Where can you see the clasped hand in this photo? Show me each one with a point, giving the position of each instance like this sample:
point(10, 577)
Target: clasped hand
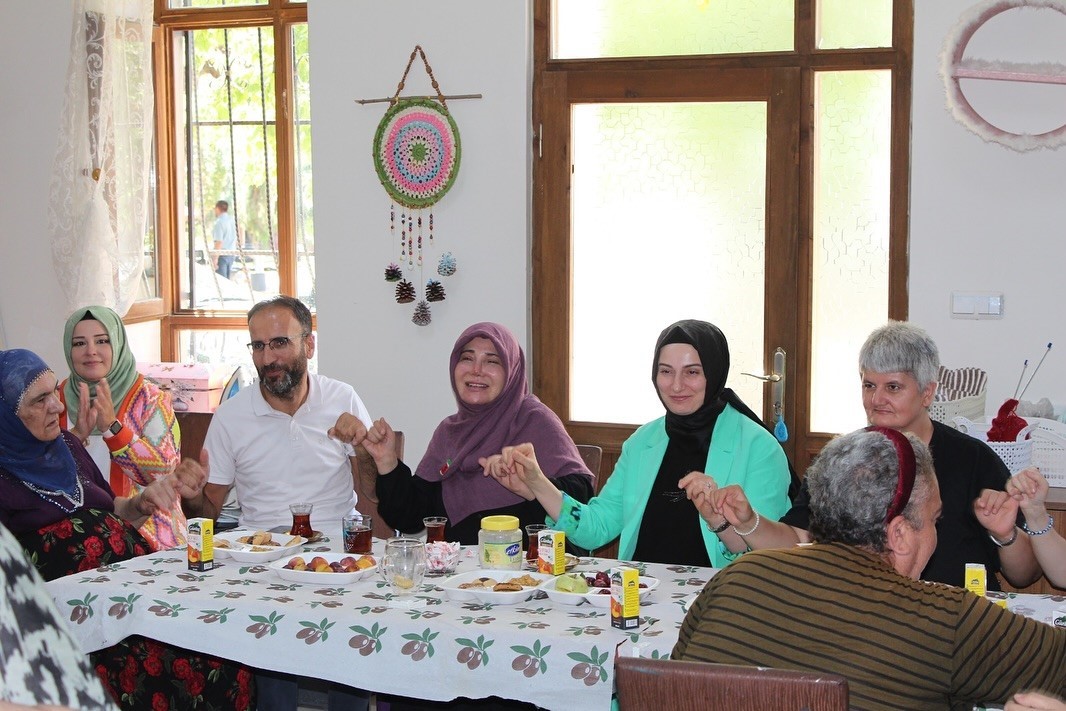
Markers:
point(516, 469)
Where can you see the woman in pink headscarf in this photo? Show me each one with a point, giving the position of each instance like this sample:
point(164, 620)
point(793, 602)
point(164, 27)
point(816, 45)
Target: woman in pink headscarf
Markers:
point(496, 409)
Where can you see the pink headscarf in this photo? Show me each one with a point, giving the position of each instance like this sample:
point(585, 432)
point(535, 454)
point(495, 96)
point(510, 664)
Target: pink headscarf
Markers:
point(475, 431)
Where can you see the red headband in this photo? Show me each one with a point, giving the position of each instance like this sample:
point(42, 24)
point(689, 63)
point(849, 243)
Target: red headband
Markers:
point(907, 466)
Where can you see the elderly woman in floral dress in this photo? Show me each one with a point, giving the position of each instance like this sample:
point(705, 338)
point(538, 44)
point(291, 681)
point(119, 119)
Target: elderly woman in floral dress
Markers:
point(58, 505)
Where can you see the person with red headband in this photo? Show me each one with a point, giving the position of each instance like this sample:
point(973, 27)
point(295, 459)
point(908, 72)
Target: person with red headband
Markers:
point(898, 366)
point(851, 603)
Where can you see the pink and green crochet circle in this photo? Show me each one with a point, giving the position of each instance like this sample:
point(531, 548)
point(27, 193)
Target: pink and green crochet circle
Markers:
point(416, 152)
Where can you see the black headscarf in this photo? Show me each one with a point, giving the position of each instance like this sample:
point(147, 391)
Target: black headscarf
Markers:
point(713, 349)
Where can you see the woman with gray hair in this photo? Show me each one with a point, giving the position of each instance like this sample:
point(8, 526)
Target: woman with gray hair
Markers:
point(898, 367)
point(851, 604)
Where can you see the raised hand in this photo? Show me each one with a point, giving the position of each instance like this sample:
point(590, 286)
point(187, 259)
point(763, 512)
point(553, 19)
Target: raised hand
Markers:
point(380, 443)
point(1029, 488)
point(103, 405)
point(996, 511)
point(699, 488)
point(190, 476)
point(731, 502)
point(86, 414)
point(348, 429)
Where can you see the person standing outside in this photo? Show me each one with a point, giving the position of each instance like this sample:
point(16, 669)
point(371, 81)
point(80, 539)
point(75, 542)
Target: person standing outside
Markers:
point(225, 234)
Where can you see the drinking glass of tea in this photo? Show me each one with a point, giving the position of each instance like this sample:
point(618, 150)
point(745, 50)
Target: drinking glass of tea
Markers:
point(533, 541)
point(356, 530)
point(301, 520)
point(435, 528)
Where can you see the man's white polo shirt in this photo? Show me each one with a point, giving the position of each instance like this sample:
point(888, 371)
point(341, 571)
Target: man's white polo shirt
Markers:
point(274, 460)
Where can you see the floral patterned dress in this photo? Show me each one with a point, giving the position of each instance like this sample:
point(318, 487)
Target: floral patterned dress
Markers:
point(140, 673)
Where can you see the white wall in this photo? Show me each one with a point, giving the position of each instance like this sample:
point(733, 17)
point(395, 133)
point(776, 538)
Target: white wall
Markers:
point(34, 47)
point(359, 50)
point(985, 217)
point(982, 217)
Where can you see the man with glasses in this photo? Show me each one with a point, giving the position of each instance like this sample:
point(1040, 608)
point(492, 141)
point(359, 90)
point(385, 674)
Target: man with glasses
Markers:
point(272, 443)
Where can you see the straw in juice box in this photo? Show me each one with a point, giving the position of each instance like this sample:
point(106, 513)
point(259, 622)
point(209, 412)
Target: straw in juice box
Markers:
point(625, 598)
point(201, 543)
point(551, 552)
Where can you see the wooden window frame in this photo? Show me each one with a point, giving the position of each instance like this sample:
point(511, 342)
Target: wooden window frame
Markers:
point(280, 15)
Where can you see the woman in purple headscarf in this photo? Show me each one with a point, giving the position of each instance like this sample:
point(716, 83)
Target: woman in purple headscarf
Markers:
point(496, 410)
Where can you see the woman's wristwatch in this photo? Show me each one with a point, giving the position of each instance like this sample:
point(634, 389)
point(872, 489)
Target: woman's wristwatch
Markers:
point(115, 427)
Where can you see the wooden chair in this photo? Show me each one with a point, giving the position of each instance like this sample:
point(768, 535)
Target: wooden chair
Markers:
point(193, 427)
point(366, 489)
point(592, 455)
point(656, 684)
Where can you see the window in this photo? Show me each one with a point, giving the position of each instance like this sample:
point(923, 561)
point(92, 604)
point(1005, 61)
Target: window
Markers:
point(743, 162)
point(235, 167)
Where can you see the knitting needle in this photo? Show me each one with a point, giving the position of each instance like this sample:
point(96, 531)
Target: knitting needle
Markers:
point(1020, 376)
point(1035, 370)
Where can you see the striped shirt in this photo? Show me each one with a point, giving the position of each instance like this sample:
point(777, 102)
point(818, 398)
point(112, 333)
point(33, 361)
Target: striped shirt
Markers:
point(901, 643)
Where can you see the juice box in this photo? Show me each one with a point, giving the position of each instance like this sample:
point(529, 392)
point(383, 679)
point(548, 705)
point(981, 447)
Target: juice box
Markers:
point(625, 598)
point(201, 543)
point(976, 579)
point(551, 552)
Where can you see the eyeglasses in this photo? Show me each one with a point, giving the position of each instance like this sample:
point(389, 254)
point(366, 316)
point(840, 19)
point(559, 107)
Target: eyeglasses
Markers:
point(276, 344)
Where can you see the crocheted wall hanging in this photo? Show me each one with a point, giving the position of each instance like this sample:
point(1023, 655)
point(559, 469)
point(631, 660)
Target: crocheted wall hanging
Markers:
point(955, 66)
point(416, 155)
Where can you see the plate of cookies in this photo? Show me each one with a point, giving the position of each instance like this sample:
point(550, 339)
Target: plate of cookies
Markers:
point(496, 587)
point(255, 546)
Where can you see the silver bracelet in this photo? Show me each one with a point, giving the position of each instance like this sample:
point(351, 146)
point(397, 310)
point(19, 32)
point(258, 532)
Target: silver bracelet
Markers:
point(758, 520)
point(1004, 544)
point(1050, 525)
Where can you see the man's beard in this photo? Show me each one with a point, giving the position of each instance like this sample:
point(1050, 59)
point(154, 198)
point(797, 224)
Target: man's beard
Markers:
point(289, 378)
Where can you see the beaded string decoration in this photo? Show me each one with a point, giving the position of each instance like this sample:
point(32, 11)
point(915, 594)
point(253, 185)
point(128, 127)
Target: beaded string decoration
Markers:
point(416, 156)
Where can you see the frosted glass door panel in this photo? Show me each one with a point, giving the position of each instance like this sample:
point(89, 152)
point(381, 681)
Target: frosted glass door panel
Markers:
point(668, 222)
point(852, 24)
point(851, 237)
point(657, 28)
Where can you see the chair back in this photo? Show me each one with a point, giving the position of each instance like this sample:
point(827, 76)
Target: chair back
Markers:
point(366, 489)
point(193, 427)
point(592, 455)
point(656, 684)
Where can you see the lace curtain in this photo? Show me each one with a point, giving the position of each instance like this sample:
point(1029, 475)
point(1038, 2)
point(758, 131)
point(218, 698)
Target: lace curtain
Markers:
point(100, 186)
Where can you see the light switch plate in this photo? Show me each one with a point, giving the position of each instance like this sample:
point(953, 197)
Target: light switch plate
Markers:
point(976, 305)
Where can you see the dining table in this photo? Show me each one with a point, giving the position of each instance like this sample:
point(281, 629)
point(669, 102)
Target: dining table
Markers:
point(364, 635)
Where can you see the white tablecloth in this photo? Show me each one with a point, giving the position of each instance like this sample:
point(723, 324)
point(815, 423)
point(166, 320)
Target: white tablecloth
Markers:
point(556, 656)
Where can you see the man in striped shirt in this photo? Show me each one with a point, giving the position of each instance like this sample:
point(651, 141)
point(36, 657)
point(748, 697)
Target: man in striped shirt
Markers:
point(851, 603)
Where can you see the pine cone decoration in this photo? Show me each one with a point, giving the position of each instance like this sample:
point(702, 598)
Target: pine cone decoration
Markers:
point(405, 292)
point(422, 315)
point(393, 273)
point(446, 265)
point(434, 291)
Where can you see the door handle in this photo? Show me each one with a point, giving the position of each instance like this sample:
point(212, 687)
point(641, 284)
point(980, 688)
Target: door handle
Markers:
point(777, 392)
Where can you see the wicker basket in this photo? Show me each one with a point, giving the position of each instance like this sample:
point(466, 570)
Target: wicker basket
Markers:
point(1045, 447)
point(1017, 455)
point(971, 407)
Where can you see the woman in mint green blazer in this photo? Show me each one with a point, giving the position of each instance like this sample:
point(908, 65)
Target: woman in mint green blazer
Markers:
point(656, 502)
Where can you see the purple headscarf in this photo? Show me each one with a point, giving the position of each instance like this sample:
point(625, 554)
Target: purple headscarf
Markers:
point(48, 465)
point(476, 431)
